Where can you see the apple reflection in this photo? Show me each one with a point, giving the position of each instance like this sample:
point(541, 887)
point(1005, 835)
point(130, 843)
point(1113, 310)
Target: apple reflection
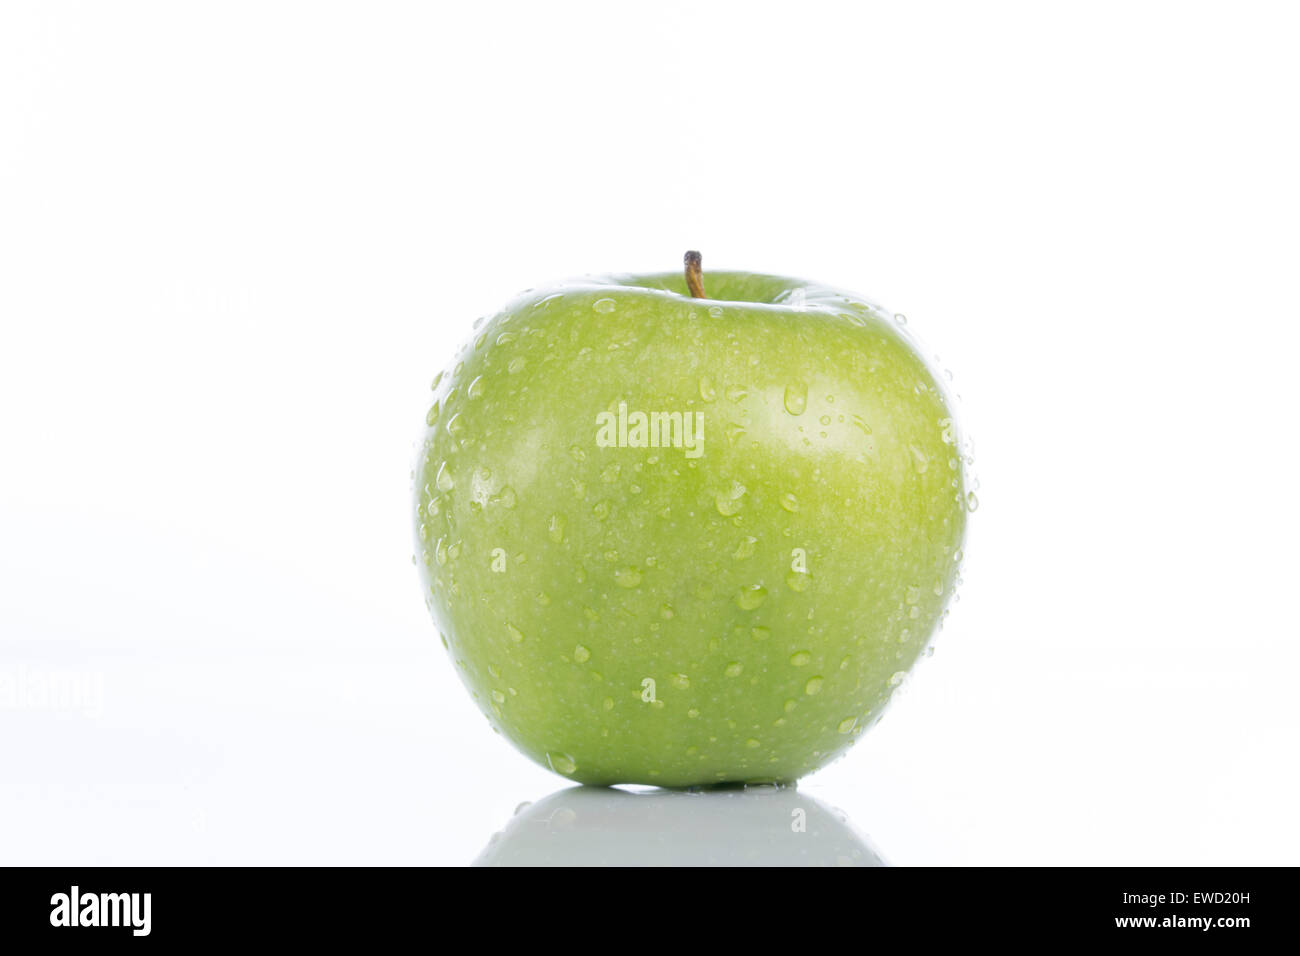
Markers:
point(756, 826)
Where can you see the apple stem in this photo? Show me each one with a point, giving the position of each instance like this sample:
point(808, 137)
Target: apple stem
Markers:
point(695, 275)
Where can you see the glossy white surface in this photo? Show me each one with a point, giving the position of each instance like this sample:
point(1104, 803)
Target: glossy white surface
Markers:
point(592, 826)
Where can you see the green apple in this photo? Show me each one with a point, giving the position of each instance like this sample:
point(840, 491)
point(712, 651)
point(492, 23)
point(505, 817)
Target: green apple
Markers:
point(685, 541)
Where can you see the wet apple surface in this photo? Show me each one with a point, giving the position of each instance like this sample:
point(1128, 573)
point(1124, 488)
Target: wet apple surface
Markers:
point(685, 541)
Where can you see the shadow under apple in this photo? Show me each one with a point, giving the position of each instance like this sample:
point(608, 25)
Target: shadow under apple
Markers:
point(757, 826)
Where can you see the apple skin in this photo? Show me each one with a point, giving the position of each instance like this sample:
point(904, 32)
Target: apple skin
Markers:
point(635, 615)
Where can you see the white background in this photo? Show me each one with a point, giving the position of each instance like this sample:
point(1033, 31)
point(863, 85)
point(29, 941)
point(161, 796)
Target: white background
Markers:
point(237, 240)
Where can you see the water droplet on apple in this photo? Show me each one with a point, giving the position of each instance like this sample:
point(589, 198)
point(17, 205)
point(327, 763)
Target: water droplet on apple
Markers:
point(946, 427)
point(751, 596)
point(900, 318)
point(729, 501)
point(715, 311)
point(708, 391)
point(455, 426)
point(628, 577)
point(814, 686)
point(561, 763)
point(475, 389)
point(680, 681)
point(444, 481)
point(516, 635)
point(760, 633)
point(789, 502)
point(555, 529)
point(847, 724)
point(432, 415)
point(734, 669)
point(746, 547)
point(798, 580)
point(920, 460)
point(604, 305)
point(516, 364)
point(796, 398)
point(581, 654)
point(972, 503)
point(752, 744)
